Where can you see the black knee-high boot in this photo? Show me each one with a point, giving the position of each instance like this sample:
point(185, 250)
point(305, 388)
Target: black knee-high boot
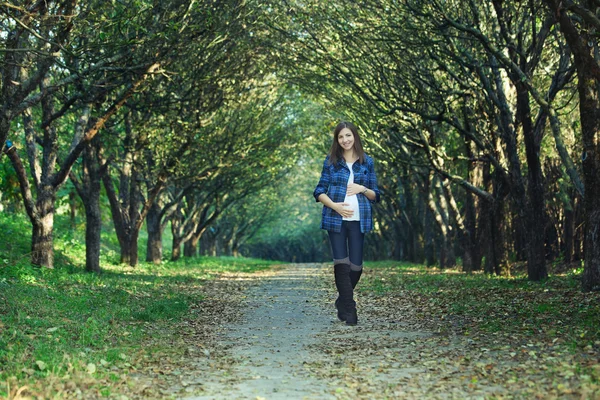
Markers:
point(354, 278)
point(346, 304)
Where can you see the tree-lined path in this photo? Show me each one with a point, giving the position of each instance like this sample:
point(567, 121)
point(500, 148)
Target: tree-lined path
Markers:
point(483, 119)
point(157, 160)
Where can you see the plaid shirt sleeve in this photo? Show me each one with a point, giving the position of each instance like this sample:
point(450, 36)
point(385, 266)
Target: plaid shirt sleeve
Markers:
point(331, 220)
point(324, 181)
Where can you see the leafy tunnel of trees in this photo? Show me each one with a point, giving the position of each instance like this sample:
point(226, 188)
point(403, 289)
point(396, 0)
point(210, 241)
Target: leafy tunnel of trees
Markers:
point(211, 118)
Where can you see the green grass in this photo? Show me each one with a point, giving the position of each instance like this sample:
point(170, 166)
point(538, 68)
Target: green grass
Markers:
point(555, 307)
point(227, 264)
point(58, 322)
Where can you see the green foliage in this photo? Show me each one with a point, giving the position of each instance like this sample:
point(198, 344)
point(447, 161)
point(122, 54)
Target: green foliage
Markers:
point(224, 264)
point(291, 229)
point(10, 199)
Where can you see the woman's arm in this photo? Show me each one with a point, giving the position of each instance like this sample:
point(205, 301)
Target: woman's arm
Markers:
point(324, 181)
point(370, 194)
point(337, 207)
point(373, 192)
point(321, 190)
point(370, 190)
point(355, 188)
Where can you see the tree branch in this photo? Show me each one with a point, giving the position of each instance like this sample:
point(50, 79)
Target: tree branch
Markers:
point(160, 182)
point(26, 102)
point(32, 151)
point(15, 160)
point(60, 177)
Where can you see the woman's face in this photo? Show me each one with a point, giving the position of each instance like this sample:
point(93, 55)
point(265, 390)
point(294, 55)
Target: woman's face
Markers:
point(346, 139)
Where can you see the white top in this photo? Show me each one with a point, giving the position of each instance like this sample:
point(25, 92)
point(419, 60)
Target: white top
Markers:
point(352, 200)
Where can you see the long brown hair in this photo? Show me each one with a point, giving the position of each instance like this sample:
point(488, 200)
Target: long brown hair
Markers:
point(336, 153)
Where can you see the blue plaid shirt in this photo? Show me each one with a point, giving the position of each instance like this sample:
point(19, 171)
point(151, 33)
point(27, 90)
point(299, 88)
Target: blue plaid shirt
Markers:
point(334, 182)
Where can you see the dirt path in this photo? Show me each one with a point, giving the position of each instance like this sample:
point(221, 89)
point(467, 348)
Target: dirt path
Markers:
point(268, 350)
point(289, 345)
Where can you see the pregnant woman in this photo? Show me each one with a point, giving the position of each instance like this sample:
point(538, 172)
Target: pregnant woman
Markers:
point(347, 188)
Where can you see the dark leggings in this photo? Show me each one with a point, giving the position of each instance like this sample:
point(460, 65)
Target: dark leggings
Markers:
point(347, 245)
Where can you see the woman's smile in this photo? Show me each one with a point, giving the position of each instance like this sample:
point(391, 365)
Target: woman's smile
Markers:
point(346, 139)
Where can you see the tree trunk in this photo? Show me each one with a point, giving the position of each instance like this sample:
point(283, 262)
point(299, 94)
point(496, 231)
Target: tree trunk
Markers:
point(568, 233)
point(472, 257)
point(40, 213)
point(589, 106)
point(536, 254)
point(154, 247)
point(205, 246)
point(121, 226)
point(126, 219)
point(519, 240)
point(399, 245)
point(490, 251)
point(579, 230)
point(176, 251)
point(457, 228)
point(429, 234)
point(495, 254)
point(5, 119)
point(229, 240)
point(191, 245)
point(93, 215)
point(93, 226)
point(470, 251)
point(129, 252)
point(42, 244)
point(439, 211)
point(450, 254)
point(536, 215)
point(583, 44)
point(496, 258)
point(413, 238)
point(176, 220)
point(501, 267)
point(485, 216)
point(190, 248)
point(125, 207)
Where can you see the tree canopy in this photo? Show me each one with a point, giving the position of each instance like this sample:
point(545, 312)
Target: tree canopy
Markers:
point(213, 117)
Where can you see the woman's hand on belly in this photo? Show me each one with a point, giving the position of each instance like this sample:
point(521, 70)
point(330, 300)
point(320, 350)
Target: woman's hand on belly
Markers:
point(341, 208)
point(354, 188)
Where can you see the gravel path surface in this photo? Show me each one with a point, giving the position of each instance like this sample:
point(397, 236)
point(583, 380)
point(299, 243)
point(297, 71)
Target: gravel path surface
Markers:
point(268, 349)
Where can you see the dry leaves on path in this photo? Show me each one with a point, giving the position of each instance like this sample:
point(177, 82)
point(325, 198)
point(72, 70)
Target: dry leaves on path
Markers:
point(410, 344)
